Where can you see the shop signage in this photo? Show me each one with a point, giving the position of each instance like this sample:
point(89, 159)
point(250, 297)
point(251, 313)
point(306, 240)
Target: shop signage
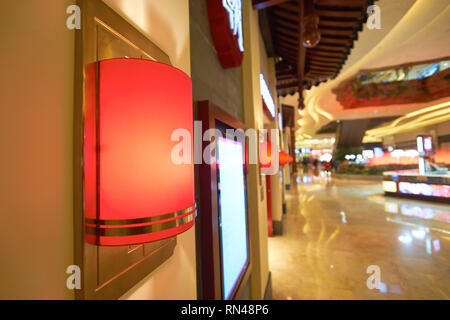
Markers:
point(225, 21)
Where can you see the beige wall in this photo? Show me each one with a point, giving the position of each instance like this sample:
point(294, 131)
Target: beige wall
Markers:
point(36, 133)
point(166, 23)
point(268, 69)
point(253, 114)
point(36, 99)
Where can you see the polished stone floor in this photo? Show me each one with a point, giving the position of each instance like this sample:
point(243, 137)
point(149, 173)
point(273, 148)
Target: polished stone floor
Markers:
point(334, 230)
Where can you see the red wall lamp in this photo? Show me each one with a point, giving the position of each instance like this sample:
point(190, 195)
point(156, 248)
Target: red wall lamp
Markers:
point(133, 191)
point(266, 157)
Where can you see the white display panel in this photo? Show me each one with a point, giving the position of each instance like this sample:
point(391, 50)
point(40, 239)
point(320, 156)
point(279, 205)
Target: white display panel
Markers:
point(232, 210)
point(280, 121)
point(428, 144)
point(420, 144)
point(266, 95)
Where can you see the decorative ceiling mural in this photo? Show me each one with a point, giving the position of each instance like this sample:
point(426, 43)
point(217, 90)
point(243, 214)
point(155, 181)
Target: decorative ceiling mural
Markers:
point(411, 31)
point(417, 83)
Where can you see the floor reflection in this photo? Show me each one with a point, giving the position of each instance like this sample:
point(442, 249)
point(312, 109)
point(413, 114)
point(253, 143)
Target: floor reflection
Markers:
point(419, 209)
point(335, 230)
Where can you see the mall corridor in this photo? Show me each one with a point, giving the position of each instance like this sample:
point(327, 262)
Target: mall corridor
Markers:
point(335, 229)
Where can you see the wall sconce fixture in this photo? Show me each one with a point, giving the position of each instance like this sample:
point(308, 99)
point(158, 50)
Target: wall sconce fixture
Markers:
point(133, 190)
point(266, 157)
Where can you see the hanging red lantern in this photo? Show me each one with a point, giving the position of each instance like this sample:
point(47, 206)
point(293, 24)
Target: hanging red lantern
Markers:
point(310, 32)
point(133, 191)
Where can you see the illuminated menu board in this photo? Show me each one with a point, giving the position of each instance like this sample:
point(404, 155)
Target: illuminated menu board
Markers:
point(232, 213)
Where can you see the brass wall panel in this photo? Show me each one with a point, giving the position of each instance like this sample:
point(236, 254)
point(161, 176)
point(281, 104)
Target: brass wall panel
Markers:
point(108, 272)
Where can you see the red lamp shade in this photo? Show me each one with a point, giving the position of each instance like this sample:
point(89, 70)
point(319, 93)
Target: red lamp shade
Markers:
point(133, 191)
point(266, 157)
point(285, 158)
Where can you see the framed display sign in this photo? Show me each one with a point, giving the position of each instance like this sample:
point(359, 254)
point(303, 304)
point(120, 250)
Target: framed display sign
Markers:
point(223, 233)
point(232, 213)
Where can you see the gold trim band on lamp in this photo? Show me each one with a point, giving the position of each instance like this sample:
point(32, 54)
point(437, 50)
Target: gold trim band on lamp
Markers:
point(114, 232)
point(141, 220)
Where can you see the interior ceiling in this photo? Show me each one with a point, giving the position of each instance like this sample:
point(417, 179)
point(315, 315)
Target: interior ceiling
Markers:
point(410, 122)
point(339, 24)
point(411, 31)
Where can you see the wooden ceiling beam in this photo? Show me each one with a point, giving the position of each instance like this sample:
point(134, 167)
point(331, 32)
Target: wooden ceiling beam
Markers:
point(281, 72)
point(263, 4)
point(286, 77)
point(325, 69)
point(331, 49)
point(286, 45)
point(339, 7)
point(288, 31)
point(324, 64)
point(345, 3)
point(285, 14)
point(315, 75)
point(337, 32)
point(285, 54)
point(283, 67)
point(287, 51)
point(289, 85)
point(287, 39)
point(322, 67)
point(289, 6)
point(301, 53)
point(278, 21)
point(339, 22)
point(340, 14)
point(326, 53)
point(333, 43)
point(324, 22)
point(344, 41)
point(290, 59)
point(313, 57)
